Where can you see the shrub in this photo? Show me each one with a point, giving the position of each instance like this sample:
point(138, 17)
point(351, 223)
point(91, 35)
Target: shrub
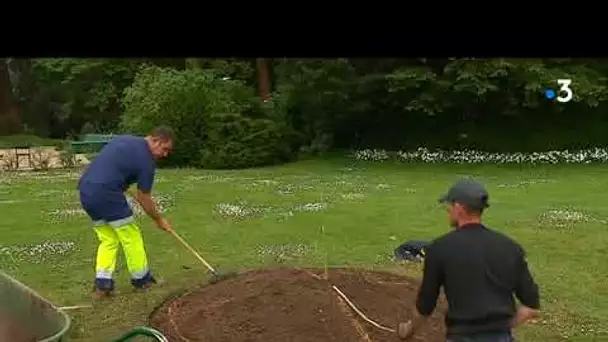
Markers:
point(8, 161)
point(218, 123)
point(235, 141)
point(41, 159)
point(67, 157)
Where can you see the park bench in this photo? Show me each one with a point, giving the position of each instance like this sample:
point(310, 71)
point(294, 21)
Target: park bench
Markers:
point(23, 151)
point(19, 152)
point(91, 143)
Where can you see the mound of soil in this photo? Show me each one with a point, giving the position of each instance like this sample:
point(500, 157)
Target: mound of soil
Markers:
point(295, 305)
point(11, 330)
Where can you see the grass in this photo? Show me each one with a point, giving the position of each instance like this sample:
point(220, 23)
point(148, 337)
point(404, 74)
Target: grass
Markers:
point(558, 213)
point(18, 140)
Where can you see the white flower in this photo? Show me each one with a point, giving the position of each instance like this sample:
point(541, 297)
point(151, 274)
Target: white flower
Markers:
point(231, 210)
point(240, 210)
point(424, 155)
point(163, 203)
point(37, 253)
point(312, 207)
point(353, 196)
point(372, 155)
point(565, 215)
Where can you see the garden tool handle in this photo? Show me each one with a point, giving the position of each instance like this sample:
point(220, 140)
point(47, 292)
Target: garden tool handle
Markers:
point(183, 242)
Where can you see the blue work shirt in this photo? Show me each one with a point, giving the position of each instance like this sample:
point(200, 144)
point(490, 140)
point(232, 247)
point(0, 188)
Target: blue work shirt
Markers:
point(125, 160)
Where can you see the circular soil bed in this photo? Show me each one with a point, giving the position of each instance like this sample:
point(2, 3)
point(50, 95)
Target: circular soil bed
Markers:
point(294, 305)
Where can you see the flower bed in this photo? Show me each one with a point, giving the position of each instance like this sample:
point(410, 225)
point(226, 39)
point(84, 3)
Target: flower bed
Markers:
point(424, 155)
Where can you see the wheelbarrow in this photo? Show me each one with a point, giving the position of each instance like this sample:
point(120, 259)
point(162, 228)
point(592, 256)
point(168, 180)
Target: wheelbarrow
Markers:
point(22, 307)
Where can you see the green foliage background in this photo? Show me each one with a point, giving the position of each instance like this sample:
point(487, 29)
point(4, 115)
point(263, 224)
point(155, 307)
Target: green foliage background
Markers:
point(318, 105)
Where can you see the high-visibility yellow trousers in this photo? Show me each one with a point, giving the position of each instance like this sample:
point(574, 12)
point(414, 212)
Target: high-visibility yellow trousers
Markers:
point(128, 235)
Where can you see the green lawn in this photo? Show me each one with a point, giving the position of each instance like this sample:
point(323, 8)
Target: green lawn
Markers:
point(559, 214)
point(19, 140)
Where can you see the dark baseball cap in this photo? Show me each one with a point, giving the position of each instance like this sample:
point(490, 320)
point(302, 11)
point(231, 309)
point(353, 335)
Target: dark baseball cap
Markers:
point(468, 192)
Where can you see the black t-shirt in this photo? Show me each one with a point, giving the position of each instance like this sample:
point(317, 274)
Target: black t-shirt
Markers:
point(480, 271)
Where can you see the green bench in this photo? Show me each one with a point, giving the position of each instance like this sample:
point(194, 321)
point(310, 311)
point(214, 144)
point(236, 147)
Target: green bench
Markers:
point(91, 143)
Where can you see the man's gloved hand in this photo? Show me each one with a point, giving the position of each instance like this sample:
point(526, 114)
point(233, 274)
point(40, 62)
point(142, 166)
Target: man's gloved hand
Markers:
point(404, 330)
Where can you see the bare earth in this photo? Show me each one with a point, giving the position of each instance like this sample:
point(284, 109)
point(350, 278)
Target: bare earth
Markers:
point(295, 305)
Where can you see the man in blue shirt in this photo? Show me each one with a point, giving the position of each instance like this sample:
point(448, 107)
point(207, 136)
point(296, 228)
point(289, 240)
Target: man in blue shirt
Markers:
point(125, 160)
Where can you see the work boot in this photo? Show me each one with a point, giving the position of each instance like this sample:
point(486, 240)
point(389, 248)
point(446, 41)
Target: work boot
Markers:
point(103, 288)
point(99, 294)
point(149, 282)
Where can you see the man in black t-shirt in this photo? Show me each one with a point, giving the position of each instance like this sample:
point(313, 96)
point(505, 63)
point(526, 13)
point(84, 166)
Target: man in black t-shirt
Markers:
point(480, 271)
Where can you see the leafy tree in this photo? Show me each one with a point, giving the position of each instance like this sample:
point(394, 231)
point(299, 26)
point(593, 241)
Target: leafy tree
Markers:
point(219, 122)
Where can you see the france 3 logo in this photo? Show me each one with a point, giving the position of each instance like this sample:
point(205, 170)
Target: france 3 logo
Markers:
point(564, 94)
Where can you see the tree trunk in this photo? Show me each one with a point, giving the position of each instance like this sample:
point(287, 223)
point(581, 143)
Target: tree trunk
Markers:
point(264, 86)
point(9, 115)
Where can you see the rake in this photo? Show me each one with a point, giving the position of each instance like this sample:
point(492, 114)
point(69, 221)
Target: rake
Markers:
point(216, 276)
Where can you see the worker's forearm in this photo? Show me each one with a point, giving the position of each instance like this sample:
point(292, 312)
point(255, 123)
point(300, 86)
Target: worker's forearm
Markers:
point(523, 315)
point(148, 205)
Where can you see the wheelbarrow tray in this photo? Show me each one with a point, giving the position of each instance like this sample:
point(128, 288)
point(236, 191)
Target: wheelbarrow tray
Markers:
point(43, 321)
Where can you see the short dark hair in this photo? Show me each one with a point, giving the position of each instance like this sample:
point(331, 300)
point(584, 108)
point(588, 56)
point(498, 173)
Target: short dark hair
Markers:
point(472, 210)
point(164, 133)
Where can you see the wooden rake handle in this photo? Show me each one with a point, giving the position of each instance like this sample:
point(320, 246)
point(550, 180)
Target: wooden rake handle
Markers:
point(183, 242)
